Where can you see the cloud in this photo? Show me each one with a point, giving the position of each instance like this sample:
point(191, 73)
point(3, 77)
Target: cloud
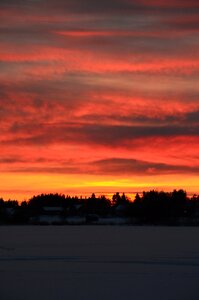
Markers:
point(193, 117)
point(99, 87)
point(113, 166)
point(118, 6)
point(109, 135)
point(116, 166)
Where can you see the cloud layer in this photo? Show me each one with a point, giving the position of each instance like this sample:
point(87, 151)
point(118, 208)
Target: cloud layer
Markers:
point(108, 88)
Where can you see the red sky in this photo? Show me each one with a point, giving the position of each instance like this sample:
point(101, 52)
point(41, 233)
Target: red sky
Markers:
point(98, 96)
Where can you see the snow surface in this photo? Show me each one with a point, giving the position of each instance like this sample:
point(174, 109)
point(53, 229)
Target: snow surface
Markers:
point(99, 262)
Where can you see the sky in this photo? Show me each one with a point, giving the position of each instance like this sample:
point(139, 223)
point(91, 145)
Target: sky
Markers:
point(98, 96)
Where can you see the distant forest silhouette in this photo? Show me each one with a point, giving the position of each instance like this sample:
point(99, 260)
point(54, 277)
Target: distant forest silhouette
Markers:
point(151, 207)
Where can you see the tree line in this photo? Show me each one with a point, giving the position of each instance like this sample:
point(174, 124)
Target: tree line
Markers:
point(151, 207)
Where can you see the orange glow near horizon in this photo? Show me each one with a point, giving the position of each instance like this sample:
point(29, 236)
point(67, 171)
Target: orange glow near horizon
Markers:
point(85, 185)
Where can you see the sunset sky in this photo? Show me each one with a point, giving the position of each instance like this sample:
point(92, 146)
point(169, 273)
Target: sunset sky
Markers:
point(98, 96)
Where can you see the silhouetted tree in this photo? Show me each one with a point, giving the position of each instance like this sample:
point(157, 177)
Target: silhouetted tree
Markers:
point(116, 199)
point(99, 206)
point(151, 207)
point(179, 199)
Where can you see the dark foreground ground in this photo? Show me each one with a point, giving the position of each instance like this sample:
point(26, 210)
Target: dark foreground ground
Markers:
point(99, 262)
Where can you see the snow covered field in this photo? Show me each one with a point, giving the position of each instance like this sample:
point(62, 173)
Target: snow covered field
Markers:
point(99, 262)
